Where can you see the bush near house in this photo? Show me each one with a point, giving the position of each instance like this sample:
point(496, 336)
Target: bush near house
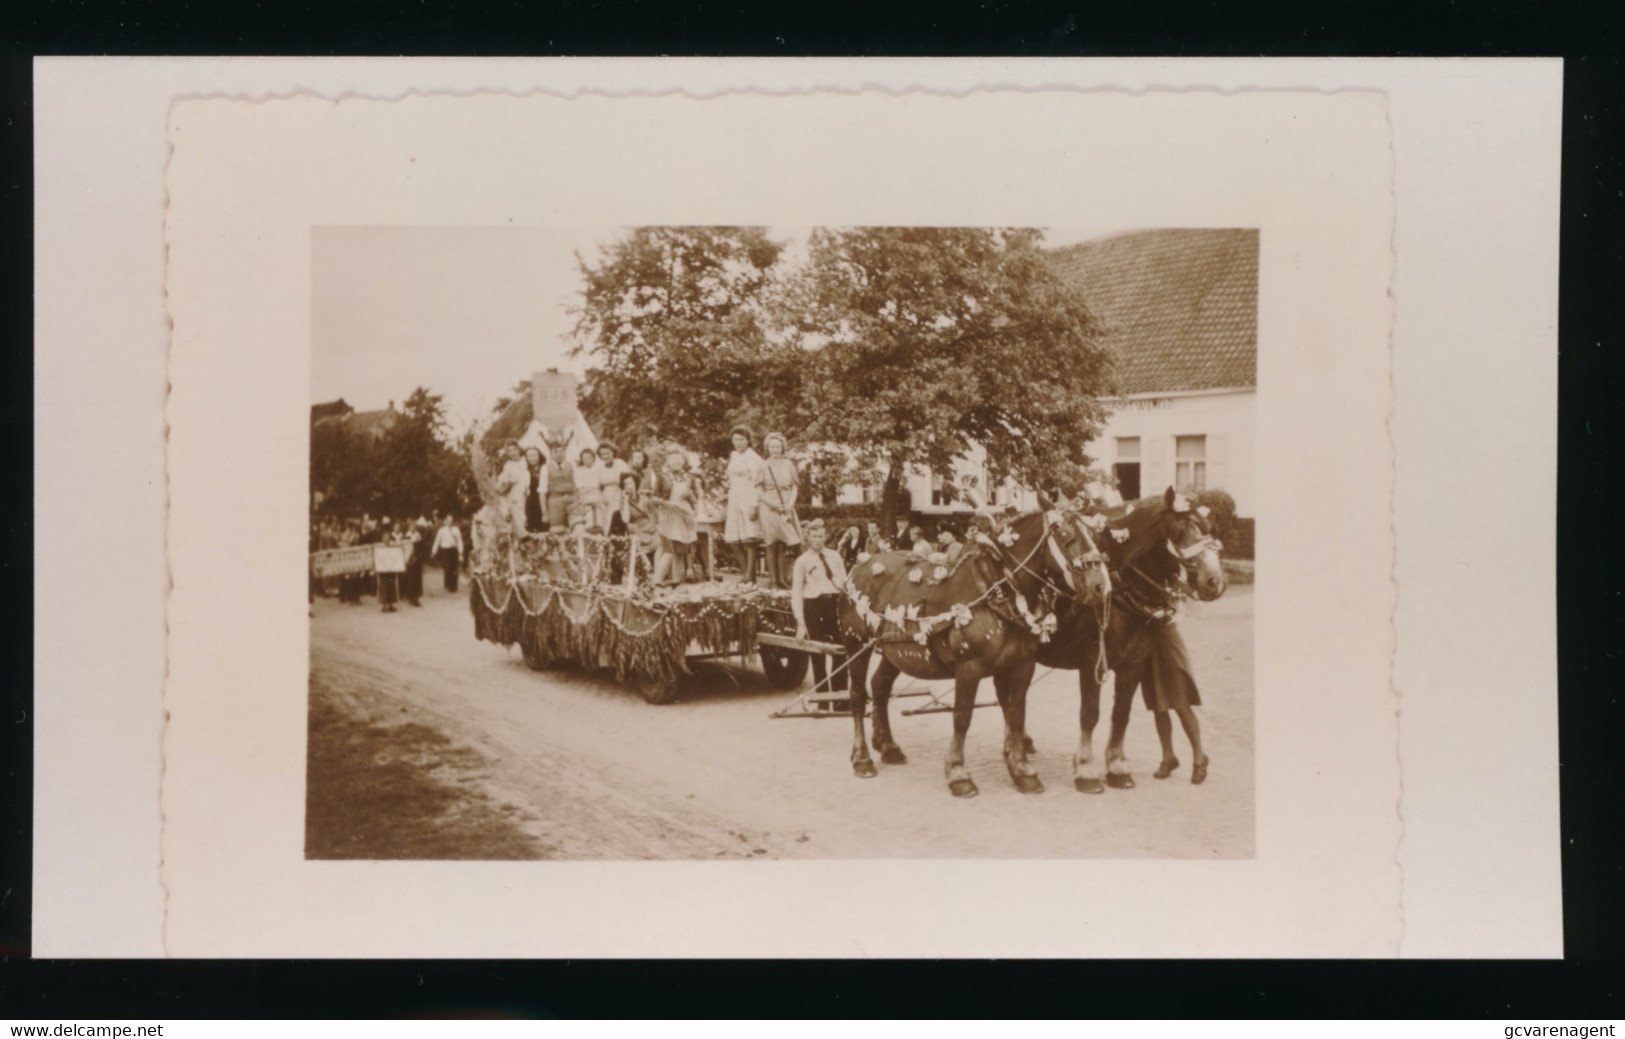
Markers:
point(1238, 544)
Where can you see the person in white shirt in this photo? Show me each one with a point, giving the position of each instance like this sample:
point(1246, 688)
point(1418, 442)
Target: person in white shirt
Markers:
point(448, 550)
point(816, 581)
point(513, 482)
point(590, 494)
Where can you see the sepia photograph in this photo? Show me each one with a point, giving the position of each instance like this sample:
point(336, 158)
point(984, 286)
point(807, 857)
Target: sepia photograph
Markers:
point(600, 518)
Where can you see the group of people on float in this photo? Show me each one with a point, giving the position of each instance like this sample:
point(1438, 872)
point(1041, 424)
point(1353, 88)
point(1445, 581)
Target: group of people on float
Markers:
point(657, 498)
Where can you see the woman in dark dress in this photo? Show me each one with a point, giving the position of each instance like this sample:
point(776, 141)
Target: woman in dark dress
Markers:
point(1171, 688)
point(535, 522)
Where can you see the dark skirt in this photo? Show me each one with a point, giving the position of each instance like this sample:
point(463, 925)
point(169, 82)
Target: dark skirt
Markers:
point(534, 521)
point(1169, 684)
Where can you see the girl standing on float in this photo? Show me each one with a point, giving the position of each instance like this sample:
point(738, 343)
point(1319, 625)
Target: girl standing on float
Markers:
point(590, 493)
point(559, 484)
point(776, 492)
point(675, 521)
point(535, 520)
point(741, 528)
point(610, 470)
point(513, 481)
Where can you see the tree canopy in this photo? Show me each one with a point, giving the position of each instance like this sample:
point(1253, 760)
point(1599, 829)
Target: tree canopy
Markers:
point(927, 341)
point(673, 324)
point(408, 467)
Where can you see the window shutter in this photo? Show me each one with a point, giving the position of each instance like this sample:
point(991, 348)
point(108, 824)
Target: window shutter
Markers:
point(1157, 466)
point(1218, 458)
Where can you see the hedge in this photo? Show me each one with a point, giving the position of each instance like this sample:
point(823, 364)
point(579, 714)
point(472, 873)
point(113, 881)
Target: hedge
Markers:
point(1238, 543)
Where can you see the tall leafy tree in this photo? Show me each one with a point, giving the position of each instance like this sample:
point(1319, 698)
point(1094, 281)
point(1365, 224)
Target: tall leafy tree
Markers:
point(344, 468)
point(927, 341)
point(412, 467)
point(672, 322)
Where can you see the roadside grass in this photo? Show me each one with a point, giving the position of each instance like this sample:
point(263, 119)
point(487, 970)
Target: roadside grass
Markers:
point(380, 789)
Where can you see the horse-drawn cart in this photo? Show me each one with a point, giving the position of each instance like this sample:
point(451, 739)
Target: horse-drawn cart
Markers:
point(578, 600)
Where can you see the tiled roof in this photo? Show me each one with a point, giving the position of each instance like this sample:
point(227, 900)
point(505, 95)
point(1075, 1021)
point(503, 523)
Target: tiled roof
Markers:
point(1179, 307)
point(330, 409)
point(375, 423)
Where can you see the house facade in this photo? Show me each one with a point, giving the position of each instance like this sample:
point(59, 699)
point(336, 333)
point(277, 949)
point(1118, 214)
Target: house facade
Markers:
point(1179, 311)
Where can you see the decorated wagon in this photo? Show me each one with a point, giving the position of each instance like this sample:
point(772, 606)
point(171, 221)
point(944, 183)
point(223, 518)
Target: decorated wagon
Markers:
point(579, 600)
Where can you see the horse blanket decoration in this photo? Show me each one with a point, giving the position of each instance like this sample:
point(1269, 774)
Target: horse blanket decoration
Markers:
point(921, 607)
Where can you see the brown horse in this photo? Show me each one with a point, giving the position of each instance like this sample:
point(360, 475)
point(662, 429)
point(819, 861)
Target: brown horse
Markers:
point(984, 615)
point(1159, 549)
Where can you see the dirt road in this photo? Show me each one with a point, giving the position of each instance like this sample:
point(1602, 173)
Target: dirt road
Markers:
point(579, 767)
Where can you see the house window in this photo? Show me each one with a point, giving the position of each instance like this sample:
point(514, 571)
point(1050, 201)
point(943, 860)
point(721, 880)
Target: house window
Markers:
point(1127, 467)
point(1190, 463)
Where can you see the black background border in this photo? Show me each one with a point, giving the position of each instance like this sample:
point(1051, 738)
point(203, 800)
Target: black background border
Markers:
point(1591, 612)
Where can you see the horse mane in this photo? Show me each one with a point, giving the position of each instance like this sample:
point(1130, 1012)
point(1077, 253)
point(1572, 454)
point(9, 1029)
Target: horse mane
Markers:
point(1146, 521)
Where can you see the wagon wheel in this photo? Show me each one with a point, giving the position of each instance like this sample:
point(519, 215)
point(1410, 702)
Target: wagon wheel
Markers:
point(658, 690)
point(786, 669)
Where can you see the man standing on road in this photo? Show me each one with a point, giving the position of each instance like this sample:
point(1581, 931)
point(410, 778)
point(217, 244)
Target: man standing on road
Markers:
point(448, 549)
point(816, 581)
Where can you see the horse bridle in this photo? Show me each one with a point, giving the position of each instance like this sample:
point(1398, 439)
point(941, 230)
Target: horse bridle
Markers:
point(1171, 595)
point(1052, 520)
point(1188, 555)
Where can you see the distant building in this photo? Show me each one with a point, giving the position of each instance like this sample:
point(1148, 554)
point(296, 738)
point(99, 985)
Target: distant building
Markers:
point(372, 423)
point(1180, 312)
point(329, 410)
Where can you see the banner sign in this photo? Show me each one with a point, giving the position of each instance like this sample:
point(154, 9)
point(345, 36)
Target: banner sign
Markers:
point(389, 559)
point(337, 562)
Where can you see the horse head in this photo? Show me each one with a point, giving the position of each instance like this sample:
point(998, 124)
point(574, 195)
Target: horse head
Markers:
point(1189, 537)
point(1076, 558)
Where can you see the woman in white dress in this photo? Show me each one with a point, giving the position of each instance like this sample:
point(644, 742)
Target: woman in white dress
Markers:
point(513, 483)
point(741, 528)
point(610, 470)
point(776, 491)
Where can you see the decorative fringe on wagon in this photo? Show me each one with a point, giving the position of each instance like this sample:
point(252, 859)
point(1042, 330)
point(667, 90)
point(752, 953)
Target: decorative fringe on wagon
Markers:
point(635, 638)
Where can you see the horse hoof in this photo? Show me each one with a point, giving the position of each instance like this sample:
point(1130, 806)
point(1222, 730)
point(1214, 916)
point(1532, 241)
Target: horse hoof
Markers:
point(963, 788)
point(1199, 772)
point(1088, 786)
point(1120, 781)
point(865, 769)
point(1165, 769)
point(894, 756)
point(1029, 785)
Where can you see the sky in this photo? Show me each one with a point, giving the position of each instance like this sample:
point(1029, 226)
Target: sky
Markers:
point(464, 311)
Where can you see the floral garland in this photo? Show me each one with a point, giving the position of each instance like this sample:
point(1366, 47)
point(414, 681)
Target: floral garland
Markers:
point(557, 621)
point(925, 627)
